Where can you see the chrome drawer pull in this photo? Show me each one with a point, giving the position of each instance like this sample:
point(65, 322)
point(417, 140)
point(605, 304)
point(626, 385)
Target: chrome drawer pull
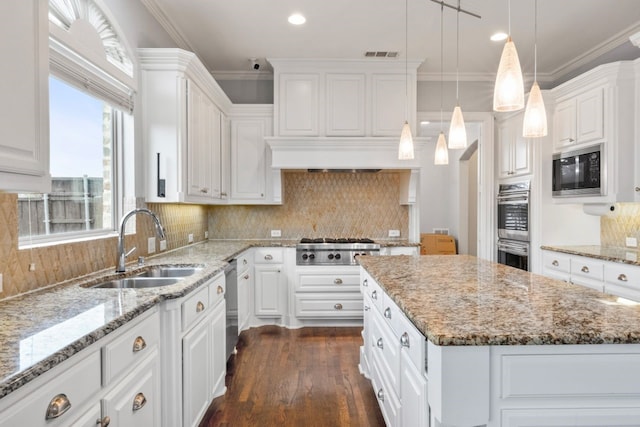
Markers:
point(337, 281)
point(139, 401)
point(199, 307)
point(367, 308)
point(584, 269)
point(244, 262)
point(404, 340)
point(220, 289)
point(387, 312)
point(58, 406)
point(374, 295)
point(622, 277)
point(338, 306)
point(637, 189)
point(380, 344)
point(268, 257)
point(555, 263)
point(246, 277)
point(381, 395)
point(204, 190)
point(365, 282)
point(139, 344)
point(104, 422)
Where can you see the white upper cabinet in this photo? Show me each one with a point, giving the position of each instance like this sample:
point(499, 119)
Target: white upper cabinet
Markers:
point(355, 98)
point(605, 113)
point(579, 119)
point(345, 104)
point(637, 131)
point(24, 114)
point(514, 150)
point(184, 126)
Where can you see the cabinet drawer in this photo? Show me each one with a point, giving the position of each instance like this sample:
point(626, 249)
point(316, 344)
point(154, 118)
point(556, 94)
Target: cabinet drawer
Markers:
point(77, 382)
point(376, 294)
point(268, 256)
point(195, 308)
point(392, 315)
point(333, 282)
point(217, 289)
point(329, 306)
point(622, 274)
point(243, 262)
point(387, 399)
point(588, 268)
point(556, 261)
point(412, 342)
point(130, 347)
point(387, 348)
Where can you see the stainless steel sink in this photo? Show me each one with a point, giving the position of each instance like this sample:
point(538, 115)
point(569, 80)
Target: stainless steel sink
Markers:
point(168, 271)
point(137, 283)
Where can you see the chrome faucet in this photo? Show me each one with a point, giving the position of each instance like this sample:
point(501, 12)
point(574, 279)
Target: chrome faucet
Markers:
point(122, 255)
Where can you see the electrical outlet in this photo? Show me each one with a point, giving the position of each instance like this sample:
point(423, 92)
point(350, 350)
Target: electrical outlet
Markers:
point(151, 245)
point(190, 237)
point(276, 233)
point(394, 233)
point(32, 266)
point(631, 242)
point(206, 234)
point(163, 245)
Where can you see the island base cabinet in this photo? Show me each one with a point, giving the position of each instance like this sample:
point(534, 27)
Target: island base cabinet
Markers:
point(195, 375)
point(581, 417)
point(413, 389)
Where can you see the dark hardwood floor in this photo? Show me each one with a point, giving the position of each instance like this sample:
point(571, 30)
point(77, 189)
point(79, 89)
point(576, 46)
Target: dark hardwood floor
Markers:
point(296, 377)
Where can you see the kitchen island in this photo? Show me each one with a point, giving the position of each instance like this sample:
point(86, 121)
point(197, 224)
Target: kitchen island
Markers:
point(504, 347)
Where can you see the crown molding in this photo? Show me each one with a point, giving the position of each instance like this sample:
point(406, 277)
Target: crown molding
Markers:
point(159, 14)
point(635, 39)
point(242, 75)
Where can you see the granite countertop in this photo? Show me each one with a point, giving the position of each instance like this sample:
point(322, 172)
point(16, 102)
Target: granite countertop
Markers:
point(606, 253)
point(464, 300)
point(43, 328)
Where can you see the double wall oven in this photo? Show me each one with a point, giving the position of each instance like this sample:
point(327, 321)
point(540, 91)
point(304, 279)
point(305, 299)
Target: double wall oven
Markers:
point(513, 224)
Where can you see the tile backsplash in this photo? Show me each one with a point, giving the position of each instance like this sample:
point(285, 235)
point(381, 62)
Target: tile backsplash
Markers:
point(57, 263)
point(624, 223)
point(320, 205)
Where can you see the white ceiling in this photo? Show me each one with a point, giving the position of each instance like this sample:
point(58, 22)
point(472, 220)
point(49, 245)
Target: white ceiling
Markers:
point(572, 34)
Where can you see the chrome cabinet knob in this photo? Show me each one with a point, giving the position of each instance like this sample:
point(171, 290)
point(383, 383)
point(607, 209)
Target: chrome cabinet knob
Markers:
point(139, 401)
point(637, 189)
point(365, 282)
point(387, 312)
point(380, 344)
point(374, 295)
point(220, 290)
point(367, 308)
point(246, 276)
point(404, 340)
point(268, 257)
point(381, 395)
point(555, 263)
point(338, 306)
point(584, 269)
point(622, 277)
point(204, 190)
point(199, 307)
point(104, 422)
point(337, 281)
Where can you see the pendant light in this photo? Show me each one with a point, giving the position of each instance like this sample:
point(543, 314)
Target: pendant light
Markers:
point(508, 93)
point(405, 147)
point(457, 131)
point(441, 156)
point(535, 116)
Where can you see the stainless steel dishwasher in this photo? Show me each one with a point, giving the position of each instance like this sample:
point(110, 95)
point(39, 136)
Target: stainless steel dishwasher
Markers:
point(231, 299)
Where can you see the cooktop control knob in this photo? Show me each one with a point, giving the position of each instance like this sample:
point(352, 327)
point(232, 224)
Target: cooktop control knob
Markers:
point(338, 256)
point(330, 256)
point(305, 256)
point(312, 256)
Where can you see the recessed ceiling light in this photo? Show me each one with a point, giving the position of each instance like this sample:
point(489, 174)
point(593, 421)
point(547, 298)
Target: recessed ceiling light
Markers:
point(297, 19)
point(497, 37)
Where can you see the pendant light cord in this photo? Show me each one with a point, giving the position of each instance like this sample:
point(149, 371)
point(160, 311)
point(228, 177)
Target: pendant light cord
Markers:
point(535, 41)
point(458, 54)
point(441, 61)
point(509, 9)
point(406, 59)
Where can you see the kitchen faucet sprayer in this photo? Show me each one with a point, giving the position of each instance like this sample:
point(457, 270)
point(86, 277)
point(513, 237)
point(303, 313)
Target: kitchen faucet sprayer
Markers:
point(122, 255)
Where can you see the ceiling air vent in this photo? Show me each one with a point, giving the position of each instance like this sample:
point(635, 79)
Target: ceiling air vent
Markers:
point(380, 54)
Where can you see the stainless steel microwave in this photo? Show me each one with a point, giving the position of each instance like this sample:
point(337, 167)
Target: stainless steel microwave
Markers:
point(579, 172)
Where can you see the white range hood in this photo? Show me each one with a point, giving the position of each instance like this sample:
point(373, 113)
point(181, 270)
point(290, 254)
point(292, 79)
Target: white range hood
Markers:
point(348, 153)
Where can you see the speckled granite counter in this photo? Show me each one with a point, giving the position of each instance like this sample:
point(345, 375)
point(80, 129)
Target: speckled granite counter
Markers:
point(606, 253)
point(463, 300)
point(41, 329)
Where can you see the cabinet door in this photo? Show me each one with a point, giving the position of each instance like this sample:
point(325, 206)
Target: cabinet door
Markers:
point(248, 153)
point(245, 281)
point(389, 104)
point(590, 116)
point(564, 124)
point(298, 107)
point(90, 418)
point(136, 401)
point(217, 329)
point(521, 153)
point(203, 139)
point(345, 104)
point(24, 112)
point(504, 150)
point(196, 374)
point(413, 394)
point(268, 290)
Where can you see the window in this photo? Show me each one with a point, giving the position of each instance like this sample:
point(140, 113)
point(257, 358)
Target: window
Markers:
point(91, 128)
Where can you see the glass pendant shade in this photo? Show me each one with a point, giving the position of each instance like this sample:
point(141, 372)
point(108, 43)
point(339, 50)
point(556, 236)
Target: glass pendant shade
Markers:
point(405, 148)
point(535, 116)
point(442, 155)
point(457, 131)
point(508, 93)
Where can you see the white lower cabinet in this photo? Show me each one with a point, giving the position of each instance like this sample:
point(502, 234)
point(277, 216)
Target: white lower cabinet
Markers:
point(270, 283)
point(195, 374)
point(245, 289)
point(328, 292)
point(75, 392)
point(393, 356)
